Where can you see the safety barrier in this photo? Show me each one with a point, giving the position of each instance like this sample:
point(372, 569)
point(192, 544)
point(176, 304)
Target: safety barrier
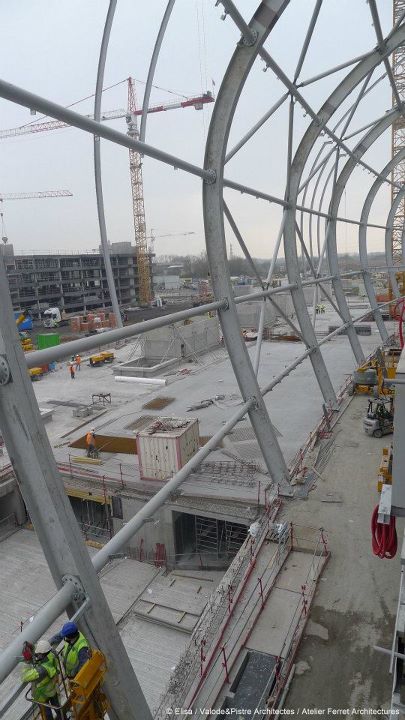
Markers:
point(285, 660)
point(196, 660)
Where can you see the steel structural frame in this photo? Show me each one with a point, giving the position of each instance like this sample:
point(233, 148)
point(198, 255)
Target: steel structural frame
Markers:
point(244, 56)
point(338, 96)
point(339, 186)
point(398, 139)
point(389, 252)
point(225, 303)
point(399, 158)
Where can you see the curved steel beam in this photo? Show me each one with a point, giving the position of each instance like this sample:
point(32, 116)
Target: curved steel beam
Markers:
point(339, 187)
point(388, 243)
point(152, 67)
point(363, 244)
point(238, 69)
point(303, 151)
point(97, 165)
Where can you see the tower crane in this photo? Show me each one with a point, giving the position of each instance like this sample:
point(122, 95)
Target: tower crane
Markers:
point(135, 166)
point(152, 237)
point(28, 196)
point(35, 195)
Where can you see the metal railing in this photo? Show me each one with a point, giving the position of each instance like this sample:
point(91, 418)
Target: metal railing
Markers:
point(193, 663)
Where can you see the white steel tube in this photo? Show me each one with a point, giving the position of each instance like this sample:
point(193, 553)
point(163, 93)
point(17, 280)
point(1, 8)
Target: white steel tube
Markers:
point(34, 630)
point(262, 309)
point(47, 107)
point(140, 380)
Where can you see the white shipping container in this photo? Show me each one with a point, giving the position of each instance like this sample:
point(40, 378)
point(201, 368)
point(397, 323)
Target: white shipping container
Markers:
point(165, 446)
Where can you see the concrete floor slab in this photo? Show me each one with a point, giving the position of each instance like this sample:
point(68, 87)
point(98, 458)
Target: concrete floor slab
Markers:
point(295, 571)
point(26, 584)
point(273, 625)
point(355, 604)
point(300, 391)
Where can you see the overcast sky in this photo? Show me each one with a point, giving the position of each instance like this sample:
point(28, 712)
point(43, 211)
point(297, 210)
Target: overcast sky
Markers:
point(52, 49)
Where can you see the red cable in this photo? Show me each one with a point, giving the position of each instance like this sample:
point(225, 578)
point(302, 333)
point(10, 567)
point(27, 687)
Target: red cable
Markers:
point(383, 537)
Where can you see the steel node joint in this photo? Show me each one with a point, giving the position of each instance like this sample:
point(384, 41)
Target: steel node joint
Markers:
point(211, 177)
point(79, 594)
point(255, 402)
point(5, 372)
point(249, 39)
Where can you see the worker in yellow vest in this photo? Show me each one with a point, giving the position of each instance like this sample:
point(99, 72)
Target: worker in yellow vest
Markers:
point(76, 650)
point(43, 676)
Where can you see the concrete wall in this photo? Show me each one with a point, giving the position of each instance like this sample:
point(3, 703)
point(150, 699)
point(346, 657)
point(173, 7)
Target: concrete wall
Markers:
point(168, 282)
point(158, 531)
point(11, 501)
point(249, 313)
point(182, 341)
point(309, 293)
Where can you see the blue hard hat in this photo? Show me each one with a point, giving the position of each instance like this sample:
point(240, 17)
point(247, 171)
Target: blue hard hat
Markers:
point(69, 629)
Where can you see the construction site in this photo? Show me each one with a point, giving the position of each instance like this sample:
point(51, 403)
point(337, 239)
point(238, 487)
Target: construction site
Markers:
point(201, 475)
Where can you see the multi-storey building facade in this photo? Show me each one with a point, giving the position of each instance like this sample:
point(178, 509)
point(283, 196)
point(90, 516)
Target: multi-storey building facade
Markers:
point(72, 282)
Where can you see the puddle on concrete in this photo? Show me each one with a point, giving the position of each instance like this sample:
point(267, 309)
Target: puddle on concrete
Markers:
point(337, 648)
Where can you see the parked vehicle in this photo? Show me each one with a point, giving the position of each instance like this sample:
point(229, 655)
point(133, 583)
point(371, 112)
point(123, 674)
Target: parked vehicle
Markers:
point(379, 420)
point(52, 318)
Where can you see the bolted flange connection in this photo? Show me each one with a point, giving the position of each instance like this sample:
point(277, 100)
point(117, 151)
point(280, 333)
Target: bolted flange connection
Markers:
point(249, 39)
point(5, 374)
point(79, 594)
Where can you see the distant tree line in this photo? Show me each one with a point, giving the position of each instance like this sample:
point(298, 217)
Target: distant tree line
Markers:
point(197, 265)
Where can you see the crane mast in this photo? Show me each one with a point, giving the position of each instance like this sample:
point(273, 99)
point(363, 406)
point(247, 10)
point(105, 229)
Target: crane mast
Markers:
point(398, 143)
point(138, 204)
point(135, 167)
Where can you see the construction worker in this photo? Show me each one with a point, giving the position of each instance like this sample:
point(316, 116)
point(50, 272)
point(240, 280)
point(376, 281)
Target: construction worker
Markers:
point(91, 442)
point(76, 650)
point(78, 362)
point(72, 371)
point(43, 676)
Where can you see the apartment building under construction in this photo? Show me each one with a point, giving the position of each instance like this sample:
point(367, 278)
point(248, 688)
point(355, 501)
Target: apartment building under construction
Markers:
point(72, 282)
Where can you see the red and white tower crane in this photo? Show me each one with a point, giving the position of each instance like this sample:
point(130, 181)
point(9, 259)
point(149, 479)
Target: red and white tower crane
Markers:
point(135, 166)
point(39, 195)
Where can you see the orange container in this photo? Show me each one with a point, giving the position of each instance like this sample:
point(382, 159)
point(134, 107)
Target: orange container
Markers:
point(84, 326)
point(112, 320)
point(105, 323)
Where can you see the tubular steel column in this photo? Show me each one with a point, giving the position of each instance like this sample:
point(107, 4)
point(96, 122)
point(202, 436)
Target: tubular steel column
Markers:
point(52, 515)
point(264, 19)
point(152, 67)
point(97, 166)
